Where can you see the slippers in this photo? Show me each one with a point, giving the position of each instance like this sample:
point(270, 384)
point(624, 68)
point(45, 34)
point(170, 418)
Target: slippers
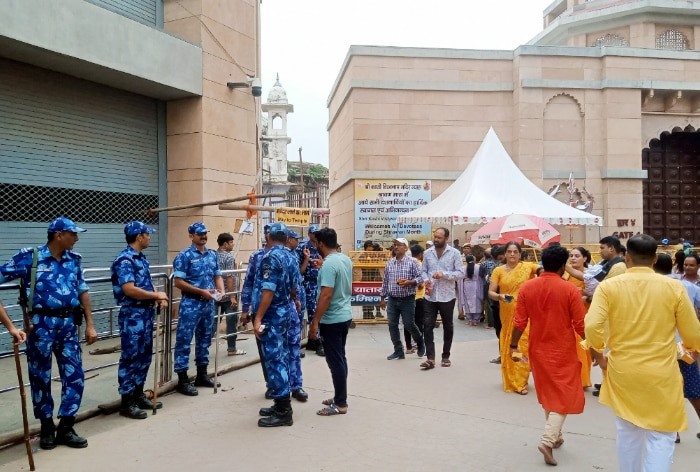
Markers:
point(328, 402)
point(428, 364)
point(523, 391)
point(445, 363)
point(237, 352)
point(332, 410)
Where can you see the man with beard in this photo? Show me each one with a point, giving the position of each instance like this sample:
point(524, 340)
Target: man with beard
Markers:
point(197, 275)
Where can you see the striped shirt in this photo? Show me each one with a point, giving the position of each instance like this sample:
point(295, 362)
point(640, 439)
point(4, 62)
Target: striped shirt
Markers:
point(450, 264)
point(407, 268)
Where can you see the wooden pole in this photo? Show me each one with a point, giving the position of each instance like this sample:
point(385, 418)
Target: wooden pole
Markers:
point(23, 396)
point(234, 206)
point(151, 211)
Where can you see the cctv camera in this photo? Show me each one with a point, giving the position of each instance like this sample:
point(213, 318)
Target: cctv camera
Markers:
point(256, 85)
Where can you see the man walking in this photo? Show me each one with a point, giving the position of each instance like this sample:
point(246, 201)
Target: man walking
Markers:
point(641, 311)
point(275, 287)
point(134, 293)
point(554, 310)
point(401, 277)
point(52, 278)
point(197, 275)
point(229, 303)
point(333, 317)
point(442, 266)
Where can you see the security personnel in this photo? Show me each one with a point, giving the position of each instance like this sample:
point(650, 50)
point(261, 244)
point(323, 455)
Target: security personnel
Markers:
point(59, 293)
point(296, 315)
point(274, 290)
point(134, 293)
point(197, 275)
point(247, 295)
point(310, 261)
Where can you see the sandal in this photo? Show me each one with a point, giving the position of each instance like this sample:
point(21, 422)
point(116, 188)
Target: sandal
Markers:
point(445, 363)
point(428, 364)
point(328, 402)
point(523, 391)
point(332, 410)
point(237, 352)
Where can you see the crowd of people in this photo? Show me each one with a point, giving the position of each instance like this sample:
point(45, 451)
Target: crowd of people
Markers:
point(635, 315)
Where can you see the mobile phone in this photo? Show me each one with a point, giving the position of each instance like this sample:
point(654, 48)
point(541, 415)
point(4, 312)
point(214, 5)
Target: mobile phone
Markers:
point(508, 298)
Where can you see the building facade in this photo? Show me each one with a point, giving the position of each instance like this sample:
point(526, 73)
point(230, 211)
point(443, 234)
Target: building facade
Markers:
point(111, 107)
point(607, 94)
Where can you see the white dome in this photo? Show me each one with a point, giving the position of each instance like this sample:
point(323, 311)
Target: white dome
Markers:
point(277, 93)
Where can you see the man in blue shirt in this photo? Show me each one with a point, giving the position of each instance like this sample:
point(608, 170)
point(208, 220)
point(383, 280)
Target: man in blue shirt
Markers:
point(309, 263)
point(197, 275)
point(134, 293)
point(273, 294)
point(55, 306)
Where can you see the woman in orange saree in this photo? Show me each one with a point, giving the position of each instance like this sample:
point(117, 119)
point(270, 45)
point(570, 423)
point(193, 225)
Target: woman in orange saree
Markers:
point(505, 283)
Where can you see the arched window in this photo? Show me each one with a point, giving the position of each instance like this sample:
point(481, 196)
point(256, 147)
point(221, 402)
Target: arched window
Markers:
point(611, 39)
point(276, 122)
point(672, 39)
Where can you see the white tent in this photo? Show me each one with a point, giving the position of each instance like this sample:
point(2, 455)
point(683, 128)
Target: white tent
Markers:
point(492, 186)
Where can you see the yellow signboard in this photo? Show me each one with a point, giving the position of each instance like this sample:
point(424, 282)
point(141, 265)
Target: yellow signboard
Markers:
point(293, 216)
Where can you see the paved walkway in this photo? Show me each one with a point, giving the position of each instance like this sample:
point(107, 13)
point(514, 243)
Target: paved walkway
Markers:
point(400, 419)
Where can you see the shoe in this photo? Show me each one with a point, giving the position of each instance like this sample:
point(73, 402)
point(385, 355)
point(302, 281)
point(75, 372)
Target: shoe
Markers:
point(396, 355)
point(496, 360)
point(597, 386)
point(421, 349)
point(312, 345)
point(129, 408)
point(202, 379)
point(302, 354)
point(320, 351)
point(300, 395)
point(678, 438)
point(461, 317)
point(184, 386)
point(66, 435)
point(281, 416)
point(268, 394)
point(596, 393)
point(267, 411)
point(48, 434)
point(143, 402)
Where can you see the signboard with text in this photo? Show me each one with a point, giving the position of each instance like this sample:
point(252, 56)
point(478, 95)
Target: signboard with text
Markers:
point(379, 202)
point(365, 293)
point(293, 216)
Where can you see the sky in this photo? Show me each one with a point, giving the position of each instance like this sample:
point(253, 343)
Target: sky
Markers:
point(306, 42)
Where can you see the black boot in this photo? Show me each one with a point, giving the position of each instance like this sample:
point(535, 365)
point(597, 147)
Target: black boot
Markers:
point(319, 349)
point(143, 402)
point(267, 411)
point(282, 415)
point(129, 408)
point(311, 344)
point(202, 379)
point(66, 435)
point(48, 434)
point(184, 386)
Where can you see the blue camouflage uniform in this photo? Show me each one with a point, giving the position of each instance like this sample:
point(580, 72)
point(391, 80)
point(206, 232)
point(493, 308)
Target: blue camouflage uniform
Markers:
point(196, 316)
point(310, 276)
point(58, 287)
point(296, 379)
point(135, 319)
point(277, 274)
point(247, 296)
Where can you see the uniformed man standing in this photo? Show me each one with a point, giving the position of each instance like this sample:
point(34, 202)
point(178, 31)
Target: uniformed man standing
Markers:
point(197, 275)
point(134, 293)
point(274, 289)
point(56, 300)
point(296, 315)
point(310, 261)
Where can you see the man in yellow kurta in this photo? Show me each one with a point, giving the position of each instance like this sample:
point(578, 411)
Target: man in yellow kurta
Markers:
point(642, 383)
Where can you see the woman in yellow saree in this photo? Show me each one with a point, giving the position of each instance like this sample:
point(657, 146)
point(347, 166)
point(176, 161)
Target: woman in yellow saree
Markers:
point(505, 283)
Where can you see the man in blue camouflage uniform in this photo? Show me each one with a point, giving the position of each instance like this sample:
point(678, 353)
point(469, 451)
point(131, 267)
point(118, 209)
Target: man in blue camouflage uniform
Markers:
point(310, 261)
point(197, 275)
point(296, 379)
point(247, 296)
point(59, 292)
point(273, 293)
point(134, 293)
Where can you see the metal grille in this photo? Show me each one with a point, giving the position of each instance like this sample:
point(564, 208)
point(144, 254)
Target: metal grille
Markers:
point(672, 39)
point(611, 39)
point(38, 203)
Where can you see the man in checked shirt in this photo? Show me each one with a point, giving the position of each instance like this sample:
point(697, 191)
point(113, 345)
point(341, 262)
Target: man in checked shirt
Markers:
point(401, 277)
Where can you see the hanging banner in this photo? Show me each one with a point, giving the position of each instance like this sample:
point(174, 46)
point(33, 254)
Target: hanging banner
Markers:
point(293, 216)
point(379, 202)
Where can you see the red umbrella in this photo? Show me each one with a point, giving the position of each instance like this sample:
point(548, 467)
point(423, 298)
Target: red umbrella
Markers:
point(526, 229)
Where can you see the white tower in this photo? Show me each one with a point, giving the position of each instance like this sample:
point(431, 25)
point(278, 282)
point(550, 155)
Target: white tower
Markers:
point(277, 108)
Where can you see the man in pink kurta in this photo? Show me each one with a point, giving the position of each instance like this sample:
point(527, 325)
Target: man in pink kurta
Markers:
point(554, 309)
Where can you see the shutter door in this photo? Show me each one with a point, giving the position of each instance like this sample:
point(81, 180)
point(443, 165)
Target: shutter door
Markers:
point(144, 11)
point(74, 148)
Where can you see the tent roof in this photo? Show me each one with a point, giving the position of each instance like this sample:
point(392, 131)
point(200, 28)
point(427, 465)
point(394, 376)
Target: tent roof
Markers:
point(492, 186)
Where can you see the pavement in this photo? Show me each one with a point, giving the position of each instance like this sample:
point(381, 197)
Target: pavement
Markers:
point(400, 419)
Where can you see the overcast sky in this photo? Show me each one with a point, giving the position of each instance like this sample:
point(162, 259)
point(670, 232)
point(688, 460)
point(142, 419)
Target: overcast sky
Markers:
point(306, 41)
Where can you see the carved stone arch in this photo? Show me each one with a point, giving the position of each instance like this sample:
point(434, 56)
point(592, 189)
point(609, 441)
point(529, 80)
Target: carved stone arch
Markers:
point(611, 39)
point(568, 95)
point(672, 39)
